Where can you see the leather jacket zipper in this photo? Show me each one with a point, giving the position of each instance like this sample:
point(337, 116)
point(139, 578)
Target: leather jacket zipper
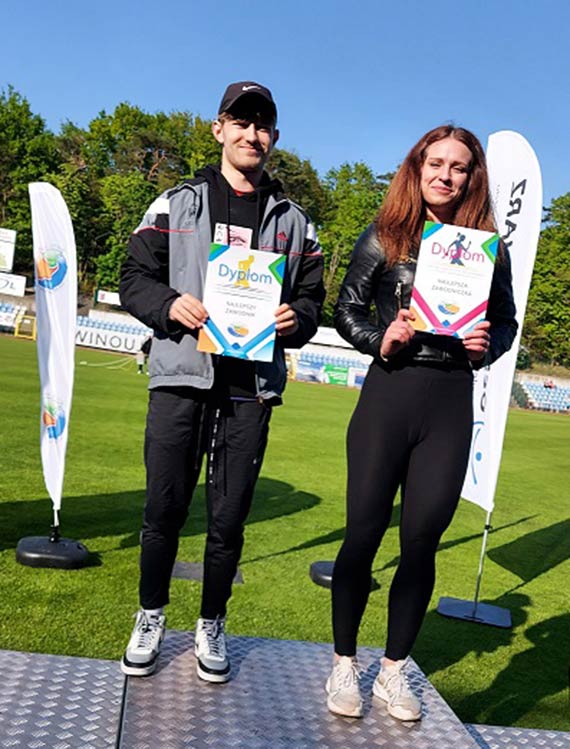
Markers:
point(398, 295)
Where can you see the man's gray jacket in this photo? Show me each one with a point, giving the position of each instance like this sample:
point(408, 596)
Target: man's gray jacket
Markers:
point(168, 256)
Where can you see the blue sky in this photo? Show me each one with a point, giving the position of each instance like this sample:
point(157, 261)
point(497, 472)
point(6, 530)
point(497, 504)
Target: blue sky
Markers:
point(353, 81)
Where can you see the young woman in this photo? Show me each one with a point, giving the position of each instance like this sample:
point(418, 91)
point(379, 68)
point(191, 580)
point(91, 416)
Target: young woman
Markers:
point(412, 425)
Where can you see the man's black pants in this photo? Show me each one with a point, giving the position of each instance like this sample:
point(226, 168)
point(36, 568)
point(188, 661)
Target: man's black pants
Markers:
point(183, 424)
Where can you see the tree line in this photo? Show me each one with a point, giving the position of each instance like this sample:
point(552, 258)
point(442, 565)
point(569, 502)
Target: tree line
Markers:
point(110, 171)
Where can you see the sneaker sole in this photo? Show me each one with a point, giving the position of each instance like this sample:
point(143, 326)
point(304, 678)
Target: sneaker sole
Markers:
point(212, 677)
point(206, 674)
point(356, 713)
point(133, 670)
point(395, 712)
point(144, 669)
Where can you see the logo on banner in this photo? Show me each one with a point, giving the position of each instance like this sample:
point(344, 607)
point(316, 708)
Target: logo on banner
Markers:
point(51, 268)
point(476, 455)
point(53, 418)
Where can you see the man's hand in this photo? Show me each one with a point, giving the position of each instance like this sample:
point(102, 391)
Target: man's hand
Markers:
point(189, 311)
point(286, 322)
point(477, 341)
point(398, 334)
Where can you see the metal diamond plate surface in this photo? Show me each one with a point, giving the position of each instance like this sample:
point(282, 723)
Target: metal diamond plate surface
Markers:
point(499, 737)
point(58, 702)
point(276, 699)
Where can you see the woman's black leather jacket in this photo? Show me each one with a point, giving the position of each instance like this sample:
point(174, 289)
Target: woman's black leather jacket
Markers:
point(370, 281)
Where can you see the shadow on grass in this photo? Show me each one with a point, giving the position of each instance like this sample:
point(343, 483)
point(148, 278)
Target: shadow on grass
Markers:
point(538, 672)
point(459, 541)
point(338, 535)
point(444, 641)
point(535, 553)
point(103, 515)
point(327, 538)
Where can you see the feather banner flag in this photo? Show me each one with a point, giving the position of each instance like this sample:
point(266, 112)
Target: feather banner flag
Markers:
point(516, 190)
point(56, 315)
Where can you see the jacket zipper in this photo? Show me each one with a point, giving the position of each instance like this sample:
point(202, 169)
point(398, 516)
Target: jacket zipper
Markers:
point(398, 294)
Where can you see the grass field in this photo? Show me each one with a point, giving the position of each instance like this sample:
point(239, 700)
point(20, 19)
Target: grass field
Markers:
point(488, 675)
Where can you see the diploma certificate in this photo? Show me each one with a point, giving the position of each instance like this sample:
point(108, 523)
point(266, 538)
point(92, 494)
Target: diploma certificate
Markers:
point(241, 293)
point(453, 278)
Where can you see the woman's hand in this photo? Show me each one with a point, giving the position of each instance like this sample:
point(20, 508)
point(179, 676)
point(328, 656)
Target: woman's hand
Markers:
point(478, 340)
point(189, 311)
point(398, 334)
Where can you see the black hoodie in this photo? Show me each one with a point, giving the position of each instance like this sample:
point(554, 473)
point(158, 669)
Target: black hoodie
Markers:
point(239, 209)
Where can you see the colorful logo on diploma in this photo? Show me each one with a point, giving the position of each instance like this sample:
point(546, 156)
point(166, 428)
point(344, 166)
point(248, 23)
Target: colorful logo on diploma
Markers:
point(238, 331)
point(448, 309)
point(53, 419)
point(51, 269)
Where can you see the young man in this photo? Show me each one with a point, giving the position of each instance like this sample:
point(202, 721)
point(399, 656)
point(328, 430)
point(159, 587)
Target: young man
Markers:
point(202, 404)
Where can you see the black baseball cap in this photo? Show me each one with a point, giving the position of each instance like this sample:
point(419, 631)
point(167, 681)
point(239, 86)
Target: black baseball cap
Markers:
point(235, 91)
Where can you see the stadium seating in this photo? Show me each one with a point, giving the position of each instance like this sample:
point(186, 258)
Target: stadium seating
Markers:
point(117, 327)
point(9, 313)
point(555, 398)
point(320, 360)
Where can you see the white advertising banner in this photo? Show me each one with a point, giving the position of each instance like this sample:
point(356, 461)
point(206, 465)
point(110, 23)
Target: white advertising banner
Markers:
point(7, 245)
point(12, 284)
point(110, 340)
point(56, 309)
point(516, 189)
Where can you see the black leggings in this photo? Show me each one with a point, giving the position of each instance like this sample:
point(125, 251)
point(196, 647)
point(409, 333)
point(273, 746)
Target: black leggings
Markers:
point(411, 429)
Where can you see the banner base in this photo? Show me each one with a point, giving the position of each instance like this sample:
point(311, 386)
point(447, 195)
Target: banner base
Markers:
point(321, 574)
point(42, 551)
point(479, 613)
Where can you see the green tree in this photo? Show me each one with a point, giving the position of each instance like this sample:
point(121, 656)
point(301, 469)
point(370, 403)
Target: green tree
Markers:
point(112, 170)
point(547, 321)
point(198, 145)
point(124, 199)
point(28, 152)
point(301, 183)
point(356, 194)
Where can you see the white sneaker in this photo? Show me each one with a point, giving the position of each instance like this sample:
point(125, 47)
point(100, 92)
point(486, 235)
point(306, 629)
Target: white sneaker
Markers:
point(210, 649)
point(144, 646)
point(343, 688)
point(392, 686)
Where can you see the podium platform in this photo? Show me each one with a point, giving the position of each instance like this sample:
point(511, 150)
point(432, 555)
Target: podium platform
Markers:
point(275, 700)
point(59, 702)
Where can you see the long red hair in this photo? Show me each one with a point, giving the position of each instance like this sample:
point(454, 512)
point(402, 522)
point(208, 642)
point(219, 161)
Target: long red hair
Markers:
point(401, 218)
